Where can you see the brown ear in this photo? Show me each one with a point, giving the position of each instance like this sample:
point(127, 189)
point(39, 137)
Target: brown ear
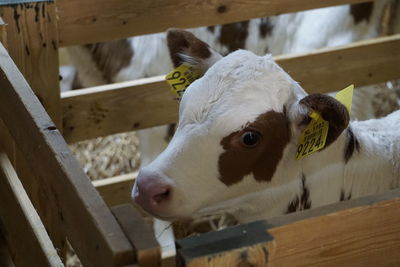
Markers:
point(184, 47)
point(332, 111)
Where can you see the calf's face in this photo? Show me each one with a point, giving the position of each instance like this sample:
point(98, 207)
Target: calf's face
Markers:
point(236, 126)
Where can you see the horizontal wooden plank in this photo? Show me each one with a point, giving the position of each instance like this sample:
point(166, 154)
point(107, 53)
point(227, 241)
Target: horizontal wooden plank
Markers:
point(90, 226)
point(363, 236)
point(242, 242)
point(144, 103)
point(115, 108)
point(366, 234)
point(89, 21)
point(361, 63)
point(140, 233)
point(23, 230)
point(116, 190)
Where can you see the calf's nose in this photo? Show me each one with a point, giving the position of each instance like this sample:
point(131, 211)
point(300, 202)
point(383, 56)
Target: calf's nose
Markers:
point(150, 191)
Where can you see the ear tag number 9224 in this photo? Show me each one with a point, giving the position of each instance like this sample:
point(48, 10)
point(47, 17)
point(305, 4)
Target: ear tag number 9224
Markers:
point(313, 137)
point(180, 79)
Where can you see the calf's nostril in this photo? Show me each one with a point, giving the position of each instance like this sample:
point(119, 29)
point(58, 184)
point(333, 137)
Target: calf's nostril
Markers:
point(158, 198)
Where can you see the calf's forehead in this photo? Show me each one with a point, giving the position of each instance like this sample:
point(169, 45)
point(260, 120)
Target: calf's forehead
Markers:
point(238, 88)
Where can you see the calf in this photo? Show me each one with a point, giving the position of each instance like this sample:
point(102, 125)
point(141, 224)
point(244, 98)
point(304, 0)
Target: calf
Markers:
point(145, 56)
point(235, 144)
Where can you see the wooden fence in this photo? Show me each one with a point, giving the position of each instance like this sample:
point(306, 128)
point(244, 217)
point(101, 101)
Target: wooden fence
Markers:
point(357, 232)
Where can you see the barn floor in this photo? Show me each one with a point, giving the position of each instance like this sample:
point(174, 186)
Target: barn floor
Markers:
point(109, 156)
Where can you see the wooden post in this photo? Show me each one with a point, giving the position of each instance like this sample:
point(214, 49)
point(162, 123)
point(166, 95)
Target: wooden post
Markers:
point(8, 146)
point(31, 36)
point(116, 190)
point(5, 138)
point(23, 230)
point(3, 32)
point(92, 229)
point(5, 257)
point(140, 234)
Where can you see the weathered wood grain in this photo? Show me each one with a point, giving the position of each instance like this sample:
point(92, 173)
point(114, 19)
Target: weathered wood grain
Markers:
point(23, 230)
point(242, 245)
point(140, 233)
point(128, 106)
point(31, 36)
point(92, 21)
point(32, 42)
point(3, 32)
point(90, 226)
point(116, 190)
point(360, 236)
point(359, 232)
point(117, 108)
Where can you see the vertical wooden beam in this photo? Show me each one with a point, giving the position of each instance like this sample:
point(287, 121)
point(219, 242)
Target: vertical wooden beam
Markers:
point(5, 138)
point(31, 36)
point(140, 234)
point(9, 148)
point(3, 32)
point(92, 229)
point(5, 257)
point(23, 230)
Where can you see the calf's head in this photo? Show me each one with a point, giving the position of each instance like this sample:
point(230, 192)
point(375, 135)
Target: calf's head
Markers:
point(237, 132)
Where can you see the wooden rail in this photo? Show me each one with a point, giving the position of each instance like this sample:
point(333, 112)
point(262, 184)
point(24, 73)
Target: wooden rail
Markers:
point(62, 193)
point(89, 21)
point(116, 190)
point(140, 233)
point(360, 232)
point(87, 221)
point(144, 103)
point(31, 36)
point(24, 232)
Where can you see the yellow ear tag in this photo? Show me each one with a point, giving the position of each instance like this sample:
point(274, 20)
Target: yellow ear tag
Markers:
point(181, 77)
point(313, 138)
point(345, 96)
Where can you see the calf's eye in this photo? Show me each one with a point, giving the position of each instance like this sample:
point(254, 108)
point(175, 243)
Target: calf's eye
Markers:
point(250, 139)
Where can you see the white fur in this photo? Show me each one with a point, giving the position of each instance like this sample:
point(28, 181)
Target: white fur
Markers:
point(235, 91)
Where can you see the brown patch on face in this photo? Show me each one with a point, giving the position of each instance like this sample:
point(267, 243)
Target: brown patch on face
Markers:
point(332, 111)
point(265, 27)
point(261, 160)
point(234, 35)
point(361, 11)
point(180, 41)
point(111, 57)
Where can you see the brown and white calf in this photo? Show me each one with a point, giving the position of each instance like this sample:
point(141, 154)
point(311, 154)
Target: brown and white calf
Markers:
point(145, 56)
point(235, 144)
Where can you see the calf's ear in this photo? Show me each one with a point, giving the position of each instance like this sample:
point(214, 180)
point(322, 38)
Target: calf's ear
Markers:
point(330, 109)
point(184, 47)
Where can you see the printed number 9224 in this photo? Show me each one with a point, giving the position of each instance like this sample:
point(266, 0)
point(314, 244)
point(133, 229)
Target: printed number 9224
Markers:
point(308, 147)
